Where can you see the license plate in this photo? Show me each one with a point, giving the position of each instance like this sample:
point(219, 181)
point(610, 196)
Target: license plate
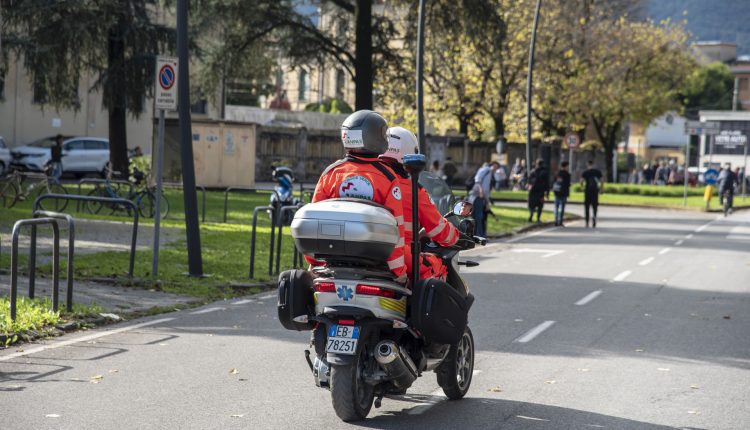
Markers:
point(342, 339)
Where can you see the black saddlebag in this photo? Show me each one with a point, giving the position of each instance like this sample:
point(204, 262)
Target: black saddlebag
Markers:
point(439, 311)
point(295, 299)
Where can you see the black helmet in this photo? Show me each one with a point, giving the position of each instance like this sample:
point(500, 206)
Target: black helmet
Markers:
point(364, 133)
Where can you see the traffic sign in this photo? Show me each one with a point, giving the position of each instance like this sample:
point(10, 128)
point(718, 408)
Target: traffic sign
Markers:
point(710, 176)
point(702, 127)
point(572, 140)
point(166, 83)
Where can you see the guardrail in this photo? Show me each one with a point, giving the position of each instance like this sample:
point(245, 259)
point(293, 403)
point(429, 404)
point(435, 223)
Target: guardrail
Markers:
point(71, 253)
point(98, 181)
point(241, 190)
point(178, 186)
point(14, 261)
point(110, 200)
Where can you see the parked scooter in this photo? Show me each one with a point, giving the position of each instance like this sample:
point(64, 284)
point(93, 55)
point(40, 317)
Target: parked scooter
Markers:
point(284, 194)
point(373, 336)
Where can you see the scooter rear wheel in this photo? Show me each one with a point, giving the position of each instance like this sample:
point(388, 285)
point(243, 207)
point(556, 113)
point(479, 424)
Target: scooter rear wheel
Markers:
point(455, 373)
point(351, 396)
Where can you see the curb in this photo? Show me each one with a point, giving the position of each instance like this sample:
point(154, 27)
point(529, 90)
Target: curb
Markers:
point(531, 227)
point(622, 205)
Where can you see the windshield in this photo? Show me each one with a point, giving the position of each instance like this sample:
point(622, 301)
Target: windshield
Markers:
point(439, 191)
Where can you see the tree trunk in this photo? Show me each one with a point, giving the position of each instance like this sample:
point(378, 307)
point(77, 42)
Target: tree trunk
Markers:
point(363, 73)
point(463, 126)
point(116, 83)
point(499, 121)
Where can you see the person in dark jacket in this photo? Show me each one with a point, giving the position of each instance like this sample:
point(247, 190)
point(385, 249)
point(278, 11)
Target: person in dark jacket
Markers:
point(538, 186)
point(561, 188)
point(55, 162)
point(592, 183)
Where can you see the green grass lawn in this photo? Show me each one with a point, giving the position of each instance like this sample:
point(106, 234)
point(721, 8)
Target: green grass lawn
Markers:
point(35, 314)
point(694, 201)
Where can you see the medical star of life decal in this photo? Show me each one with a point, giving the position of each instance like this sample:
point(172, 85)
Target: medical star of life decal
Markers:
point(344, 293)
point(396, 191)
point(357, 187)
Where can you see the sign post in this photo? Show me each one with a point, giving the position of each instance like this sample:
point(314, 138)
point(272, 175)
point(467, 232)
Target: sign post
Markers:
point(699, 128)
point(166, 99)
point(573, 141)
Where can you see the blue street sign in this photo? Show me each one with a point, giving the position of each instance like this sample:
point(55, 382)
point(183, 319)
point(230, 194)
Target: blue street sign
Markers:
point(710, 176)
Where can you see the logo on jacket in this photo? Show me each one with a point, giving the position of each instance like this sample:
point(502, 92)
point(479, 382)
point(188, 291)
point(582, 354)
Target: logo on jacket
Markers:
point(396, 191)
point(344, 293)
point(356, 187)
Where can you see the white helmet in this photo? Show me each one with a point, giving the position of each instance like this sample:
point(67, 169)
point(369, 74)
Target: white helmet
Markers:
point(400, 142)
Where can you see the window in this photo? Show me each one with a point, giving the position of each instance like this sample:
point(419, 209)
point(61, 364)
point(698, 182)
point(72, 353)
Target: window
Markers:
point(743, 86)
point(342, 27)
point(75, 145)
point(340, 84)
point(95, 145)
point(304, 83)
point(200, 107)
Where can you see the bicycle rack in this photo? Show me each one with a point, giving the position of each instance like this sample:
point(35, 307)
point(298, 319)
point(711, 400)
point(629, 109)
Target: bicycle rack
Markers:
point(98, 181)
point(125, 202)
point(71, 253)
point(178, 186)
point(256, 211)
point(14, 261)
point(280, 219)
point(240, 190)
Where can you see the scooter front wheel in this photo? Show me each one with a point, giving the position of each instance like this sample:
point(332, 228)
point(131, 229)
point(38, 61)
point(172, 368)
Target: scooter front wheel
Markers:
point(454, 374)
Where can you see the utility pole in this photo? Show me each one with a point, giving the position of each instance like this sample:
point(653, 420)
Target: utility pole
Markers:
point(735, 93)
point(420, 72)
point(528, 86)
point(192, 229)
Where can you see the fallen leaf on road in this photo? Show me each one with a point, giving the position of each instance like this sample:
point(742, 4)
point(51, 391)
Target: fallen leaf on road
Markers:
point(113, 370)
point(646, 315)
point(663, 369)
point(495, 390)
point(694, 412)
point(550, 382)
point(75, 379)
point(583, 370)
point(243, 379)
point(96, 379)
point(727, 317)
point(638, 350)
point(694, 386)
point(19, 350)
point(233, 371)
point(52, 416)
point(693, 315)
point(238, 415)
point(163, 344)
point(518, 320)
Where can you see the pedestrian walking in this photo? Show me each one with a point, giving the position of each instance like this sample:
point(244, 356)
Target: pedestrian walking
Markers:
point(538, 186)
point(593, 184)
point(561, 188)
point(479, 196)
point(55, 163)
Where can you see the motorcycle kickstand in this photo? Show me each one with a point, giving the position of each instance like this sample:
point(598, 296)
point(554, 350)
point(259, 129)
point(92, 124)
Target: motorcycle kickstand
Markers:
point(309, 362)
point(379, 400)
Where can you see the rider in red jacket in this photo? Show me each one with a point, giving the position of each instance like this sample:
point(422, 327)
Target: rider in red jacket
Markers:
point(403, 142)
point(362, 175)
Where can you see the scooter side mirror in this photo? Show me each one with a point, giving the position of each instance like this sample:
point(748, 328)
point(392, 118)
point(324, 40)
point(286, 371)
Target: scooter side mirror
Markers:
point(463, 208)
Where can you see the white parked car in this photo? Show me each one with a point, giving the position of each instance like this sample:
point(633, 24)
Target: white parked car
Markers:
point(5, 157)
point(81, 155)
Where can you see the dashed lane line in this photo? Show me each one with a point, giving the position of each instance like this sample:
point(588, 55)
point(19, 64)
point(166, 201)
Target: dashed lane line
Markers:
point(243, 302)
point(589, 297)
point(664, 251)
point(267, 296)
point(679, 242)
point(207, 310)
point(622, 276)
point(690, 236)
point(86, 338)
point(646, 261)
point(534, 332)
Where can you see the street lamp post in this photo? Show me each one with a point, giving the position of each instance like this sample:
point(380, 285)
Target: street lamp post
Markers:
point(528, 85)
point(420, 72)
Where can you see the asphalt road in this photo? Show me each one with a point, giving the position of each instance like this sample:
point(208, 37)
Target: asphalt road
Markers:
point(641, 323)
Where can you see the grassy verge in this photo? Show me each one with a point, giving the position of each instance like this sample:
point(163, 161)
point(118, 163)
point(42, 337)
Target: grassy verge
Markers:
point(676, 202)
point(36, 314)
point(508, 219)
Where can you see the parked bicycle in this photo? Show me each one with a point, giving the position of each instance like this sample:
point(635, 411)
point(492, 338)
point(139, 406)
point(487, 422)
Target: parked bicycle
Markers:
point(17, 187)
point(143, 195)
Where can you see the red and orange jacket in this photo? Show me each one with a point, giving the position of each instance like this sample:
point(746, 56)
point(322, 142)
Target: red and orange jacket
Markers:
point(437, 228)
point(370, 179)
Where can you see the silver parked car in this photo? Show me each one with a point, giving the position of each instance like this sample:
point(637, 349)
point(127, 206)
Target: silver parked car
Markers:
point(5, 158)
point(81, 155)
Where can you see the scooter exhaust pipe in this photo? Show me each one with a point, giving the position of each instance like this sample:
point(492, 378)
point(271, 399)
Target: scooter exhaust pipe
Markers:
point(397, 364)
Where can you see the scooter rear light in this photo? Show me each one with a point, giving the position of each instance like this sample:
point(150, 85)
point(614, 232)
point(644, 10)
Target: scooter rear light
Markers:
point(325, 287)
point(372, 290)
point(346, 322)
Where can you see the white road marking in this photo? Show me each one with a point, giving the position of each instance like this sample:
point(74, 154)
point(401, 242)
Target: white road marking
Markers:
point(739, 233)
point(690, 236)
point(547, 252)
point(267, 296)
point(534, 332)
point(646, 261)
point(524, 417)
point(425, 406)
point(664, 251)
point(589, 297)
point(86, 338)
point(526, 236)
point(207, 310)
point(622, 276)
point(678, 243)
point(703, 227)
point(243, 302)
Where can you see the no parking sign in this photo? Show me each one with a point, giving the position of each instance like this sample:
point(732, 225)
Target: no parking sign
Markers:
point(166, 83)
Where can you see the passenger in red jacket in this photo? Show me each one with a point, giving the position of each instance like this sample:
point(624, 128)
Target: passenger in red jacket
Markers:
point(362, 175)
point(403, 142)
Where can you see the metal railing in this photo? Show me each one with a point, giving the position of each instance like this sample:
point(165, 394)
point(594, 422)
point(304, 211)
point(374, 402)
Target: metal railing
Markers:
point(275, 241)
point(256, 211)
point(280, 217)
point(108, 200)
point(71, 253)
point(241, 190)
point(14, 262)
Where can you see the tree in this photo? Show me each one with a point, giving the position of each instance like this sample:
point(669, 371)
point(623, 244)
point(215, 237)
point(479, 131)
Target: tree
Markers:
point(708, 87)
point(115, 40)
